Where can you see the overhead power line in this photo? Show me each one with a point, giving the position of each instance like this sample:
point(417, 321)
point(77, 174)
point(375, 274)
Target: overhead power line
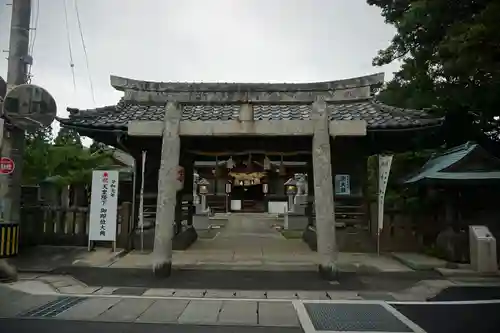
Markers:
point(34, 27)
point(84, 50)
point(68, 38)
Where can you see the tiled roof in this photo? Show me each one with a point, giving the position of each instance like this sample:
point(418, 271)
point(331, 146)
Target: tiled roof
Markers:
point(437, 168)
point(441, 162)
point(380, 116)
point(377, 116)
point(210, 112)
point(282, 111)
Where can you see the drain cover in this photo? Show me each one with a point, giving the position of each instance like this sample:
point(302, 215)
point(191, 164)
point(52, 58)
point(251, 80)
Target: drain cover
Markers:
point(53, 308)
point(340, 316)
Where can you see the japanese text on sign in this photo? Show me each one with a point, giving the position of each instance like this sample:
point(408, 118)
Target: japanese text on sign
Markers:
point(104, 205)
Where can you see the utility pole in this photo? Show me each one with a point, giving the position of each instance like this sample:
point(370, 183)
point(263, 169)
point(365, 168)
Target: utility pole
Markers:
point(13, 137)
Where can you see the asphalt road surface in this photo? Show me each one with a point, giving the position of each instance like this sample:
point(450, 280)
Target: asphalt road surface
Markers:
point(242, 280)
point(453, 318)
point(468, 293)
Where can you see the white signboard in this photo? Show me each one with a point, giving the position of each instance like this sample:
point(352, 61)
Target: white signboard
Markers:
point(343, 184)
point(384, 168)
point(103, 206)
point(235, 204)
point(277, 207)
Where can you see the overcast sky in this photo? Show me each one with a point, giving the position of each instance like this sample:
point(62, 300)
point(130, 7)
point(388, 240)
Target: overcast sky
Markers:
point(199, 40)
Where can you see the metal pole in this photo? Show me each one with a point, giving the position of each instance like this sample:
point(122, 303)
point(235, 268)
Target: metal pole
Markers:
point(378, 242)
point(227, 203)
point(134, 197)
point(141, 199)
point(13, 140)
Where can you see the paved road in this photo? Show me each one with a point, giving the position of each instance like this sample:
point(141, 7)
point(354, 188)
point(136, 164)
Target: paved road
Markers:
point(243, 280)
point(441, 318)
point(66, 326)
point(210, 279)
point(436, 318)
point(468, 293)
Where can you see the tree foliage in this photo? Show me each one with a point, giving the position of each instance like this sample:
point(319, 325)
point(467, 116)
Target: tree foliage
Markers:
point(65, 160)
point(68, 136)
point(449, 52)
point(36, 155)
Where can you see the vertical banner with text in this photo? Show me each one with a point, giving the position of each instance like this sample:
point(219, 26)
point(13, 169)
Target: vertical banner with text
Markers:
point(103, 206)
point(384, 168)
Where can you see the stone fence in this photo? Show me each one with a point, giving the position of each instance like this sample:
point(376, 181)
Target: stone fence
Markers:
point(404, 231)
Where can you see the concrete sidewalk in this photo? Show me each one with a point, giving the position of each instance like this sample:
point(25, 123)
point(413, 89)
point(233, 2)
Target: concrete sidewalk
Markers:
point(47, 258)
point(148, 309)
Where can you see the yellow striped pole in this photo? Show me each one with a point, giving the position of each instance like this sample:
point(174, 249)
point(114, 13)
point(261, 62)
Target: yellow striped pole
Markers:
point(9, 240)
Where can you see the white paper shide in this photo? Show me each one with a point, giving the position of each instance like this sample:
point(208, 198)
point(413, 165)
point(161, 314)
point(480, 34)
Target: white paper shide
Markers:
point(103, 206)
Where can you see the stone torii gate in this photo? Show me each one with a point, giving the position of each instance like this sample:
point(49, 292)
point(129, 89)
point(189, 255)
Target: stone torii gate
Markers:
point(321, 130)
point(319, 117)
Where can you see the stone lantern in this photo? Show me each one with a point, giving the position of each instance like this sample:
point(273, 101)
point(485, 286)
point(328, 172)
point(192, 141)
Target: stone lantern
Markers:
point(203, 191)
point(291, 191)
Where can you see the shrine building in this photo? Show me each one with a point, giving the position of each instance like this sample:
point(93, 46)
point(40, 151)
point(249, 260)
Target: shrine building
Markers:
point(254, 137)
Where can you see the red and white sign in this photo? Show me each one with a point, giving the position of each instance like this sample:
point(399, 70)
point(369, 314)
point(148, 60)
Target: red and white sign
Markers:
point(6, 166)
point(103, 205)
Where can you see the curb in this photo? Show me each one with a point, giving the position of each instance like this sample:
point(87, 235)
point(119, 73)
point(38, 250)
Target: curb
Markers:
point(420, 268)
point(120, 254)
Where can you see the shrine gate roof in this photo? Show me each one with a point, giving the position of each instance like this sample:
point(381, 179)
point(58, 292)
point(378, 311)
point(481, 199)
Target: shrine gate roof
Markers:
point(350, 99)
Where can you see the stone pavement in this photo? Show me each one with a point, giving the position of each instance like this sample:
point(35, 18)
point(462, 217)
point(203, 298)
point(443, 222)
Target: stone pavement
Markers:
point(288, 256)
point(149, 310)
point(247, 241)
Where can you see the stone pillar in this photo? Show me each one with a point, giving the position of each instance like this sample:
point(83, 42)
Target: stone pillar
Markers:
point(323, 192)
point(167, 191)
point(310, 193)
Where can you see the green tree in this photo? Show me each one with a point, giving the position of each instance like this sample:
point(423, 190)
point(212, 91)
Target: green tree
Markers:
point(66, 159)
point(36, 157)
point(72, 162)
point(449, 52)
point(68, 136)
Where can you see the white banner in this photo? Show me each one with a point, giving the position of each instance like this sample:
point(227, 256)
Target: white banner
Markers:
point(384, 168)
point(103, 206)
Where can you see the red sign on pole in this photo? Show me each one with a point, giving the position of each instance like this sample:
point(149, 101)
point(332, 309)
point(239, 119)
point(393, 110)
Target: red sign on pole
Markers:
point(6, 166)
